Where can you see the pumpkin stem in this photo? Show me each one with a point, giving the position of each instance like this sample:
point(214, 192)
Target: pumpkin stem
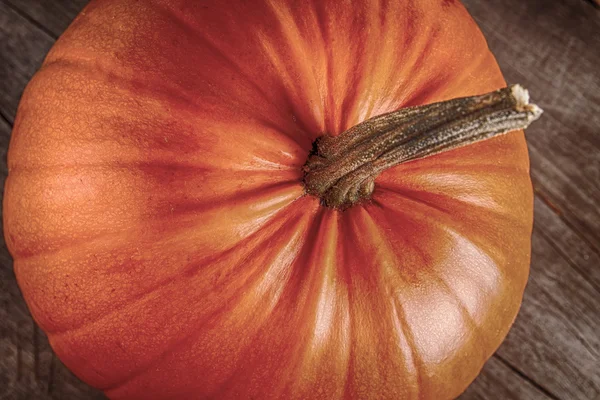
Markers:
point(341, 170)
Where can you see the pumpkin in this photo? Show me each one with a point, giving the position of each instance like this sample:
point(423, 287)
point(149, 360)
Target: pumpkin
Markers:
point(176, 230)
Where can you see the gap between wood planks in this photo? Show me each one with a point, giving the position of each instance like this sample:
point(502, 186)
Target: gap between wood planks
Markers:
point(539, 194)
point(6, 120)
point(524, 376)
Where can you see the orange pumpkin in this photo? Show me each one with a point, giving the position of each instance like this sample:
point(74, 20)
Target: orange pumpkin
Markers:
point(162, 234)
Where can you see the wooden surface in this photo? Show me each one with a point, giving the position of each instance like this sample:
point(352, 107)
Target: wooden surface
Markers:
point(553, 351)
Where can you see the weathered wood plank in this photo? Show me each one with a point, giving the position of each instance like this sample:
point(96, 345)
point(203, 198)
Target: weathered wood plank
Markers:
point(55, 16)
point(554, 342)
point(555, 339)
point(567, 243)
point(22, 50)
point(28, 368)
point(499, 381)
point(553, 48)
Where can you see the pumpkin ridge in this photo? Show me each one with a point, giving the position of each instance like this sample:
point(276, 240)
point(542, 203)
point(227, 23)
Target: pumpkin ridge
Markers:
point(409, 194)
point(296, 49)
point(398, 306)
point(191, 218)
point(417, 362)
point(467, 317)
point(416, 56)
point(457, 227)
point(300, 218)
point(458, 81)
point(329, 342)
point(252, 280)
point(308, 276)
point(105, 71)
point(359, 109)
point(275, 218)
point(233, 65)
point(502, 269)
point(385, 276)
point(376, 278)
point(173, 97)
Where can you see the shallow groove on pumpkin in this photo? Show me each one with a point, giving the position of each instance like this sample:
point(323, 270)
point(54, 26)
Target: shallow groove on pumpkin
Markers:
point(400, 212)
point(414, 195)
point(279, 194)
point(234, 65)
point(291, 293)
point(176, 97)
point(290, 221)
point(191, 271)
point(451, 293)
point(386, 269)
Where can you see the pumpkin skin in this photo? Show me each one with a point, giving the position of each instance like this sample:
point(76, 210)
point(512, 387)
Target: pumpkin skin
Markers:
point(161, 236)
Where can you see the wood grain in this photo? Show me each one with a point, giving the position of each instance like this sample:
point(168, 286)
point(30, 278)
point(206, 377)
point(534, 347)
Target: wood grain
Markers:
point(553, 48)
point(577, 252)
point(555, 339)
point(23, 47)
point(499, 381)
point(53, 16)
point(553, 351)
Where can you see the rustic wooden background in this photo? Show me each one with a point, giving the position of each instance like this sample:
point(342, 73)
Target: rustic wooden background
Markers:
point(553, 351)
